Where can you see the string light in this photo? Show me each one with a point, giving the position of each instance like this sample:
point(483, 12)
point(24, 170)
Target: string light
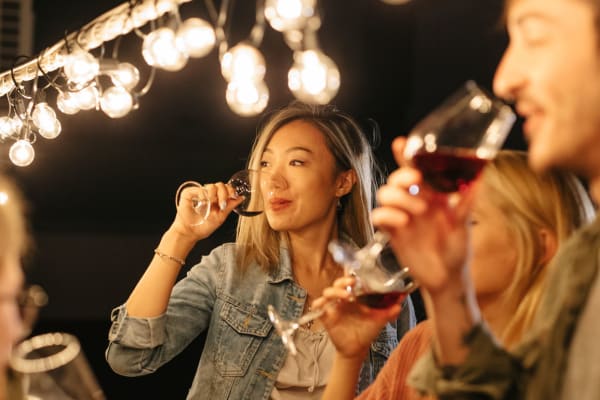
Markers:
point(80, 77)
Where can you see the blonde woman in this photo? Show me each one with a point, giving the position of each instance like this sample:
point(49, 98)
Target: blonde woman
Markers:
point(321, 187)
point(518, 221)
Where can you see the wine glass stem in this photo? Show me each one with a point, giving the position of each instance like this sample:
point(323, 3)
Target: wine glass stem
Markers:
point(311, 315)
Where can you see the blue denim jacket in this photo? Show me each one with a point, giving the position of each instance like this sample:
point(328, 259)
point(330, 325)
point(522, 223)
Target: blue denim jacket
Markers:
point(242, 354)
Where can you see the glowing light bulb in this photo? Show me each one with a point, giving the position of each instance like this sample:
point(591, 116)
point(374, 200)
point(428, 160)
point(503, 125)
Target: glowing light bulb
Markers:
point(160, 50)
point(51, 132)
point(243, 62)
point(6, 127)
point(196, 37)
point(86, 98)
point(247, 97)
point(286, 15)
point(81, 67)
point(21, 153)
point(116, 102)
point(67, 103)
point(126, 75)
point(396, 2)
point(43, 116)
point(314, 77)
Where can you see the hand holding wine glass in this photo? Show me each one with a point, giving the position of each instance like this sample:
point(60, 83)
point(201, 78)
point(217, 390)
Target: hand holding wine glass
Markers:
point(424, 205)
point(379, 283)
point(205, 207)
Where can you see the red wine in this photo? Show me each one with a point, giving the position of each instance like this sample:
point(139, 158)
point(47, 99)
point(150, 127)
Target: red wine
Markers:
point(449, 170)
point(380, 300)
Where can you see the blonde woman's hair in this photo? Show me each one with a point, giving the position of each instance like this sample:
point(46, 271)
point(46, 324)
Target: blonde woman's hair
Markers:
point(13, 230)
point(555, 202)
point(257, 242)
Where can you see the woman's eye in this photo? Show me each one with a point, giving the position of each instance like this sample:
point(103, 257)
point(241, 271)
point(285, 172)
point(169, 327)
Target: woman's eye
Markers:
point(296, 162)
point(264, 164)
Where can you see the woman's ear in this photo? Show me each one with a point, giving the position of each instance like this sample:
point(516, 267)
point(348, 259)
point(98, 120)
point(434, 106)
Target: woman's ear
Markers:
point(345, 182)
point(549, 245)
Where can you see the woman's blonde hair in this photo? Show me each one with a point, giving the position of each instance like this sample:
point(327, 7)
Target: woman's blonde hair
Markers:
point(351, 150)
point(555, 202)
point(13, 230)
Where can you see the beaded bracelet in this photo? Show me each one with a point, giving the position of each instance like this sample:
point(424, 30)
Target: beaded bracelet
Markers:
point(168, 257)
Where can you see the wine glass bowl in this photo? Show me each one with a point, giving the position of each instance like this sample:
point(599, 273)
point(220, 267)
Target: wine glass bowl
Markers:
point(380, 281)
point(452, 144)
point(246, 183)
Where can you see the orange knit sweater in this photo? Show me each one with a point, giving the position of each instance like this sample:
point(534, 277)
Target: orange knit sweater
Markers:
point(391, 381)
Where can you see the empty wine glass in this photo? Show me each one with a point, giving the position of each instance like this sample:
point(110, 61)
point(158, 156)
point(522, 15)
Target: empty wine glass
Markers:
point(453, 143)
point(246, 183)
point(54, 368)
point(380, 282)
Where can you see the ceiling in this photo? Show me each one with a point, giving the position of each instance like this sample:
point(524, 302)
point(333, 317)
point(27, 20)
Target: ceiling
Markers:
point(104, 175)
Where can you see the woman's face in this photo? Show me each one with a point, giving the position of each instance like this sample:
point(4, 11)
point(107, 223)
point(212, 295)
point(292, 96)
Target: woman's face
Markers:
point(11, 281)
point(494, 248)
point(302, 190)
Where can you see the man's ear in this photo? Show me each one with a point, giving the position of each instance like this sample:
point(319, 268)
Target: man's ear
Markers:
point(549, 244)
point(345, 182)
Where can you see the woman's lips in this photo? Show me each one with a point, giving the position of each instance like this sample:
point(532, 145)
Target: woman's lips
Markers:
point(279, 204)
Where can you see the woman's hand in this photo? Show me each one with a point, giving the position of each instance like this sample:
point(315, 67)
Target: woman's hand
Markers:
point(350, 325)
point(188, 223)
point(429, 230)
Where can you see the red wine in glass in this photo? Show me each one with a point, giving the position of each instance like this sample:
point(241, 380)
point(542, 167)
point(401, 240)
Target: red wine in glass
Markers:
point(381, 300)
point(449, 169)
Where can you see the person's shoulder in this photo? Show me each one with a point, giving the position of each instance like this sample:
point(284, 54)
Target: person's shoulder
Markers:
point(419, 336)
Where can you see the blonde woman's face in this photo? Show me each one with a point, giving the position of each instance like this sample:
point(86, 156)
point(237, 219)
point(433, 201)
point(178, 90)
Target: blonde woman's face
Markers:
point(302, 191)
point(494, 248)
point(11, 281)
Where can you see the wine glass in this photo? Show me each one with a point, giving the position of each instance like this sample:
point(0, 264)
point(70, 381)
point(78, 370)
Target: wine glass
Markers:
point(246, 183)
point(452, 144)
point(54, 368)
point(380, 282)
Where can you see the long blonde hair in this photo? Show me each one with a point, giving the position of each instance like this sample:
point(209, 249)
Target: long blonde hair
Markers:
point(257, 242)
point(556, 202)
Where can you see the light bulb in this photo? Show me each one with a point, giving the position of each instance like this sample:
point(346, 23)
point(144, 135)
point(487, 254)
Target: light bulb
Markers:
point(51, 132)
point(6, 127)
point(243, 62)
point(86, 98)
point(21, 153)
point(81, 67)
point(143, 12)
point(196, 37)
point(116, 25)
point(116, 102)
point(43, 116)
point(314, 77)
point(126, 75)
point(286, 15)
point(160, 50)
point(247, 97)
point(67, 103)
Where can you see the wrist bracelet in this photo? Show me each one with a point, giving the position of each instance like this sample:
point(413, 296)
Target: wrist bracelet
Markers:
point(168, 257)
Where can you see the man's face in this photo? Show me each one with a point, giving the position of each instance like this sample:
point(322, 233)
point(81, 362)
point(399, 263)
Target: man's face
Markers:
point(551, 69)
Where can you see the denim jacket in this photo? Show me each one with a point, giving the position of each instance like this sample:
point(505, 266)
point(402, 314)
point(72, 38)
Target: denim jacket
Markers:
point(242, 354)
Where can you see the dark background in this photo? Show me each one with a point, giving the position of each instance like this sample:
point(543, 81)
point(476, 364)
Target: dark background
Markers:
point(101, 194)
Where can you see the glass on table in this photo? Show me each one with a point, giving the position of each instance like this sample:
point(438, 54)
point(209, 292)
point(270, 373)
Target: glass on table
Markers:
point(380, 282)
point(452, 144)
point(246, 183)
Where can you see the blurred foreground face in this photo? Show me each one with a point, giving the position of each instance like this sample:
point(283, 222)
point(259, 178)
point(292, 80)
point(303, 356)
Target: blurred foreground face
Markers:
point(11, 280)
point(551, 69)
